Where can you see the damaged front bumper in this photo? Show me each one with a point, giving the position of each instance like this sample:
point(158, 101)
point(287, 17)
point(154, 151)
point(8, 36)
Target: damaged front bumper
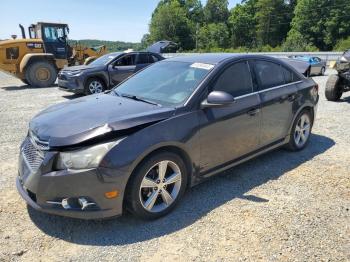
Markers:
point(72, 193)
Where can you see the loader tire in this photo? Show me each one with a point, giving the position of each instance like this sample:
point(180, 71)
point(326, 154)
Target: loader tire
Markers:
point(41, 74)
point(333, 90)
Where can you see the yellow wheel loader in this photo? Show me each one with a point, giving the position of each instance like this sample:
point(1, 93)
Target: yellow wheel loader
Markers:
point(37, 59)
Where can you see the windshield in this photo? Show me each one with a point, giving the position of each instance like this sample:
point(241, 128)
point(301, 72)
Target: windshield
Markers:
point(166, 83)
point(104, 60)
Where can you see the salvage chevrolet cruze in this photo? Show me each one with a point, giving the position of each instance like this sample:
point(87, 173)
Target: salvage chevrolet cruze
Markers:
point(169, 127)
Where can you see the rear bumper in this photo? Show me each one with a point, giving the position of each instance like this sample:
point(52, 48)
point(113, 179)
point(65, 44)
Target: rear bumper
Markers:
point(45, 191)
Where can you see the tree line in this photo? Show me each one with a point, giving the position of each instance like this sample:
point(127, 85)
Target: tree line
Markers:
point(253, 25)
point(112, 46)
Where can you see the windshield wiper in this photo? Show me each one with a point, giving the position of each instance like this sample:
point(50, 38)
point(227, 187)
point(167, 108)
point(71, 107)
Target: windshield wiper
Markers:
point(137, 98)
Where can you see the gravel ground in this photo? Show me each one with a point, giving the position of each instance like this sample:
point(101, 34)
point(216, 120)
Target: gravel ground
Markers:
point(279, 207)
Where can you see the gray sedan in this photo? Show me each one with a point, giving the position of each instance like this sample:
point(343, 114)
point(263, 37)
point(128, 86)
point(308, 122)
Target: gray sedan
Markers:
point(317, 65)
point(167, 128)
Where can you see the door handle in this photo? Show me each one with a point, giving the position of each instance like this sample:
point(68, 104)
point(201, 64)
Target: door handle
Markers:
point(292, 97)
point(253, 111)
point(289, 98)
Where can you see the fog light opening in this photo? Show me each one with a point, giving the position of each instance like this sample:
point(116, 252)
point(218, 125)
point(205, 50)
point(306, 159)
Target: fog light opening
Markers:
point(74, 203)
point(65, 204)
point(84, 203)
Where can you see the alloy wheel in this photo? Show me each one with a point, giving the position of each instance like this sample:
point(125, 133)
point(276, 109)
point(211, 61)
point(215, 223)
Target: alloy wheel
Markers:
point(160, 186)
point(95, 87)
point(302, 130)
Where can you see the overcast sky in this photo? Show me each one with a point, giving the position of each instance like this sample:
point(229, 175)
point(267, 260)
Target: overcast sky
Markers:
point(123, 20)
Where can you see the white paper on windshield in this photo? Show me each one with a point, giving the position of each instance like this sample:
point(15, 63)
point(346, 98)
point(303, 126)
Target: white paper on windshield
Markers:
point(202, 66)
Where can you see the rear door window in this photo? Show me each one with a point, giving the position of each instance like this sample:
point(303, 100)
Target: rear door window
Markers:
point(269, 74)
point(235, 80)
point(142, 59)
point(289, 75)
point(153, 59)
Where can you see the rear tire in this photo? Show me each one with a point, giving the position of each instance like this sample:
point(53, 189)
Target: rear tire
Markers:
point(41, 74)
point(333, 90)
point(94, 86)
point(301, 131)
point(150, 194)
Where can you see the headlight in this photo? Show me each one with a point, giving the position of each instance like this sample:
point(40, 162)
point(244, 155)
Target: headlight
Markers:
point(74, 73)
point(84, 158)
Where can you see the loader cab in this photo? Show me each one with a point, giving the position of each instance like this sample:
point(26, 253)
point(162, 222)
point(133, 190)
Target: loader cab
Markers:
point(54, 36)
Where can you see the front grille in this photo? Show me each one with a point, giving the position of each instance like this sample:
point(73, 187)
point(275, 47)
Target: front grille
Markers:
point(33, 151)
point(39, 144)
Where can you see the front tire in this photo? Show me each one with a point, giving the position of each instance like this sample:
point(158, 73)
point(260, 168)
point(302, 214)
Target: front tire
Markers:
point(157, 185)
point(301, 131)
point(94, 86)
point(41, 74)
point(333, 90)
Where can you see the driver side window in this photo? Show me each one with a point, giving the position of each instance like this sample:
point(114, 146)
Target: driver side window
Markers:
point(127, 60)
point(235, 80)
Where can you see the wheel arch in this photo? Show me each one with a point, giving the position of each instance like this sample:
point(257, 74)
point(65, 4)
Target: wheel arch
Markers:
point(97, 76)
point(308, 107)
point(31, 58)
point(164, 148)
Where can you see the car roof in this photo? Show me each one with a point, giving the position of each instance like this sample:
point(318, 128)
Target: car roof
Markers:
point(216, 58)
point(115, 53)
point(133, 52)
point(204, 58)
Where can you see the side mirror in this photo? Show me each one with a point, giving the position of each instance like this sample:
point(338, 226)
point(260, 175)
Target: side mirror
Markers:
point(218, 99)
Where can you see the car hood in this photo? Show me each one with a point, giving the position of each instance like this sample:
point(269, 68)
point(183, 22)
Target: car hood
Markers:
point(81, 67)
point(82, 119)
point(75, 68)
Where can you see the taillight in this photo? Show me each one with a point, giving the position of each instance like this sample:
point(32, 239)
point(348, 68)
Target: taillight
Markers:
point(316, 88)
